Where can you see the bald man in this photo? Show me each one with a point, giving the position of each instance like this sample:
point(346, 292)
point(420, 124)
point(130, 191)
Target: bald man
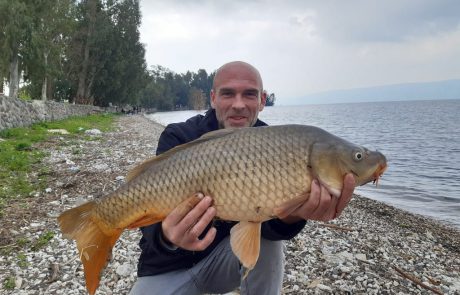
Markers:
point(189, 253)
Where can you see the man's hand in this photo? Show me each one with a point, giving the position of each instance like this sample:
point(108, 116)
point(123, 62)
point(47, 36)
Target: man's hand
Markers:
point(321, 205)
point(186, 223)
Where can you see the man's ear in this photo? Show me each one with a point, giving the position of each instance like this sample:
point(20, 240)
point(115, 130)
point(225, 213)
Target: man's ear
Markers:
point(263, 100)
point(213, 98)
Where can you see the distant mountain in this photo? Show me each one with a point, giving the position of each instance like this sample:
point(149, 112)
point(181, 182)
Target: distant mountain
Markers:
point(447, 89)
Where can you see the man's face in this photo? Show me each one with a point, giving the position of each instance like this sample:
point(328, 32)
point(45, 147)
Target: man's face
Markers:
point(237, 96)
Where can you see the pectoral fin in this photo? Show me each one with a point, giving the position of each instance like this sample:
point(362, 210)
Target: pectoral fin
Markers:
point(245, 242)
point(290, 206)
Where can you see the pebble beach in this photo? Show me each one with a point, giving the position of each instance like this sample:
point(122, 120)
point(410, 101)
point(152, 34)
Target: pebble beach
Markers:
point(372, 248)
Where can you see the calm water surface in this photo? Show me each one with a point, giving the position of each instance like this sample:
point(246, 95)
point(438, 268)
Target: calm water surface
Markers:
point(420, 139)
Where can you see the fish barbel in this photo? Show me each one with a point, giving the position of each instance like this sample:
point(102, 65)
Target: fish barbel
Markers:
point(252, 174)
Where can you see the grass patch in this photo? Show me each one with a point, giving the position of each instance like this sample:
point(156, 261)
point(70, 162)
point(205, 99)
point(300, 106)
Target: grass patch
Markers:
point(77, 125)
point(22, 260)
point(9, 283)
point(43, 240)
point(18, 156)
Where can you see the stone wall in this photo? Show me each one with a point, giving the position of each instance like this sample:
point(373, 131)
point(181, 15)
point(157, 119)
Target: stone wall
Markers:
point(19, 113)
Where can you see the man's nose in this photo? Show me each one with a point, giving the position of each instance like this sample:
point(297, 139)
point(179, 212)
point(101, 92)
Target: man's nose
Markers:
point(238, 102)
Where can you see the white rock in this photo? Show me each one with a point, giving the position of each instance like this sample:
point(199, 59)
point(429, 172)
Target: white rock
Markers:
point(74, 169)
point(100, 167)
point(48, 190)
point(18, 282)
point(361, 257)
point(124, 270)
point(93, 132)
point(58, 131)
point(324, 288)
point(120, 178)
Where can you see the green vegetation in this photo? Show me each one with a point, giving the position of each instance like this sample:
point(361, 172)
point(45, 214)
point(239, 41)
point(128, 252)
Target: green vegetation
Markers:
point(43, 240)
point(9, 283)
point(19, 158)
point(22, 260)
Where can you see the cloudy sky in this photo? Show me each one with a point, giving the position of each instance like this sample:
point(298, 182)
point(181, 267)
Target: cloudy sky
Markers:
point(303, 47)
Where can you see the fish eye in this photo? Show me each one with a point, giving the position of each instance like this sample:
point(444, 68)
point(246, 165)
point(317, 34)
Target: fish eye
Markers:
point(358, 156)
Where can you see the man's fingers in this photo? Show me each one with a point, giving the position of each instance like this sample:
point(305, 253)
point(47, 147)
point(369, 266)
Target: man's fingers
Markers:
point(196, 230)
point(176, 215)
point(200, 245)
point(194, 215)
point(347, 193)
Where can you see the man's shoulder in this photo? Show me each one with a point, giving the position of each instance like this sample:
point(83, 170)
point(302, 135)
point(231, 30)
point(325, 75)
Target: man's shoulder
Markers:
point(192, 125)
point(183, 132)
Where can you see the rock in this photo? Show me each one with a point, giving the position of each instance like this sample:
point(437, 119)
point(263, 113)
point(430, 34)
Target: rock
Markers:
point(58, 131)
point(361, 257)
point(314, 283)
point(100, 167)
point(18, 282)
point(48, 190)
point(74, 169)
point(124, 270)
point(324, 288)
point(93, 132)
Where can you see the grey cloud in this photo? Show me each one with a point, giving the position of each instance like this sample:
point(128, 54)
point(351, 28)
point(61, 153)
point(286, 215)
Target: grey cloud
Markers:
point(386, 21)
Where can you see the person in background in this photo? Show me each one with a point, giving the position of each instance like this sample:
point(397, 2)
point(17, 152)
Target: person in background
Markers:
point(189, 253)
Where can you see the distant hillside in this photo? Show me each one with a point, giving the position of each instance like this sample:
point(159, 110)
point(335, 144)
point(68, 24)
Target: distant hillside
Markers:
point(448, 89)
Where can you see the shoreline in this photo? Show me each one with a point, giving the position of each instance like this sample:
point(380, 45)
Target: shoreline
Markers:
point(358, 253)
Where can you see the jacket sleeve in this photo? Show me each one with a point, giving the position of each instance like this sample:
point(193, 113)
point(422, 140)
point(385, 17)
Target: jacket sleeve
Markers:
point(169, 138)
point(275, 229)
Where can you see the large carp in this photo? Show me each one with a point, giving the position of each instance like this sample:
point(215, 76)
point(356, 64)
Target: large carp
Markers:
point(253, 175)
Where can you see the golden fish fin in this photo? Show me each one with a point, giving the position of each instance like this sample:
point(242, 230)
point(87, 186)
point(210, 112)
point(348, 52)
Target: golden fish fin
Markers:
point(288, 207)
point(94, 245)
point(182, 209)
point(205, 137)
point(245, 242)
point(146, 220)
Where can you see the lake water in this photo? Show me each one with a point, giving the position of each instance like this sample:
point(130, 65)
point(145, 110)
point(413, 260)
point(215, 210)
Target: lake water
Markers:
point(421, 140)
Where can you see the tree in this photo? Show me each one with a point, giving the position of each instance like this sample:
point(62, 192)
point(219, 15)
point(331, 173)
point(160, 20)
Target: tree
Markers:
point(89, 9)
point(203, 81)
point(53, 23)
point(197, 99)
point(270, 100)
point(118, 55)
point(16, 26)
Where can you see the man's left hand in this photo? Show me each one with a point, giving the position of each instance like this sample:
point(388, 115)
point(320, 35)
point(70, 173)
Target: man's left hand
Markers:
point(321, 205)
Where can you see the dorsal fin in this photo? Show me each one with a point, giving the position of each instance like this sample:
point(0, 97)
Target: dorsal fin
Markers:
point(141, 168)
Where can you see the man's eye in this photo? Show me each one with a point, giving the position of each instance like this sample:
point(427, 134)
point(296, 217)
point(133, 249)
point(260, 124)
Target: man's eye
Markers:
point(252, 94)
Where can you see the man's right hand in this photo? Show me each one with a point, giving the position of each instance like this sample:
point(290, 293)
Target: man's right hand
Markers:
point(183, 226)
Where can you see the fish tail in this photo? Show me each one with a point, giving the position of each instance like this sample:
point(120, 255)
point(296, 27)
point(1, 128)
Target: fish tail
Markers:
point(94, 244)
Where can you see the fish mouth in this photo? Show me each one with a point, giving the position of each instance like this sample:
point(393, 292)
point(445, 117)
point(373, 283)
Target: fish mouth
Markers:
point(378, 173)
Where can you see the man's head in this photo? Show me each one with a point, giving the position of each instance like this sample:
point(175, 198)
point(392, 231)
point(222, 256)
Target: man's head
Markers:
point(237, 95)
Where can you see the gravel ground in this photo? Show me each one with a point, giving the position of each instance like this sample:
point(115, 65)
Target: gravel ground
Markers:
point(371, 249)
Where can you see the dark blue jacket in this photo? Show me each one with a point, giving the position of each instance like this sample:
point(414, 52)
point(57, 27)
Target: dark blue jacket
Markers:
point(156, 258)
